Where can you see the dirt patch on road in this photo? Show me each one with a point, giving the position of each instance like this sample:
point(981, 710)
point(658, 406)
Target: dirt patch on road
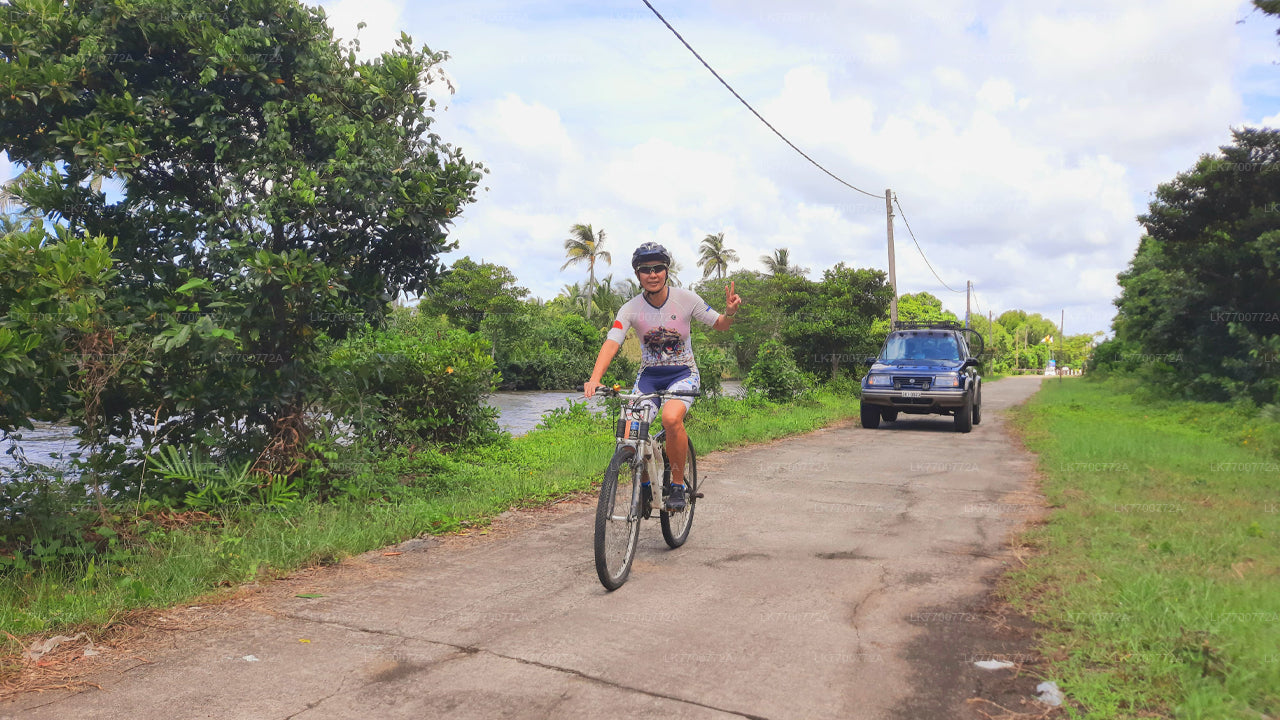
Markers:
point(946, 681)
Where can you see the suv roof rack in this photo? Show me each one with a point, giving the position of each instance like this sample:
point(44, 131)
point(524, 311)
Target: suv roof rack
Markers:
point(927, 325)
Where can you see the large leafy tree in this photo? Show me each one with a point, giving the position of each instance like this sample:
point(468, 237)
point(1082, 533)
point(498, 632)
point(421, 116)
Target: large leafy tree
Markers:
point(714, 257)
point(471, 293)
point(1200, 293)
point(273, 188)
point(833, 321)
point(758, 319)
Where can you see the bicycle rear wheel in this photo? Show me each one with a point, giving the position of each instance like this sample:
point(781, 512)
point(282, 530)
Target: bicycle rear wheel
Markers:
point(676, 525)
point(617, 526)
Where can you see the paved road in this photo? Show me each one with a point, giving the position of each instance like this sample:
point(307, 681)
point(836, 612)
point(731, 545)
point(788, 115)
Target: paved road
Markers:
point(794, 598)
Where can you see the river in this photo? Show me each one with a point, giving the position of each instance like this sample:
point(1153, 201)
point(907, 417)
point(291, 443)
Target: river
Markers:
point(520, 411)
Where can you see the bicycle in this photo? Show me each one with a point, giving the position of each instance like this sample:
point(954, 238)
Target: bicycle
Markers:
point(638, 457)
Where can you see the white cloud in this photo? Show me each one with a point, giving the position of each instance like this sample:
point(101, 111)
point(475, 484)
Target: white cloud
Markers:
point(1022, 138)
point(381, 18)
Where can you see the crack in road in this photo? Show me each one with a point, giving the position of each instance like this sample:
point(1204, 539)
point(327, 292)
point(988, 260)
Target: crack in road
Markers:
point(857, 608)
point(467, 650)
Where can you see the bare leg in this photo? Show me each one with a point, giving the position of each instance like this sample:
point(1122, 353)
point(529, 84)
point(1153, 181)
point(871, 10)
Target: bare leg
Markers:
point(677, 439)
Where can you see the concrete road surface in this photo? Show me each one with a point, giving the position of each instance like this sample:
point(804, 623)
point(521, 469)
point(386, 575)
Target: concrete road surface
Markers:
point(795, 597)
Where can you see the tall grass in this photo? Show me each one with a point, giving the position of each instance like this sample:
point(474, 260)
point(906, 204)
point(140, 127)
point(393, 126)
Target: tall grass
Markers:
point(158, 567)
point(1159, 573)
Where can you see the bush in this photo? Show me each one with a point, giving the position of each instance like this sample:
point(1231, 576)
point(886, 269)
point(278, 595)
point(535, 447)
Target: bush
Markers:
point(775, 373)
point(713, 363)
point(421, 381)
point(556, 352)
point(845, 384)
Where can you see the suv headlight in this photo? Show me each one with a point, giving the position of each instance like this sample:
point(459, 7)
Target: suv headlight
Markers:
point(948, 380)
point(879, 380)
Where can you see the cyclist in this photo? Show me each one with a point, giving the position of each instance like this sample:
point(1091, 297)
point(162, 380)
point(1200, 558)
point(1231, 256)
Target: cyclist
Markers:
point(662, 316)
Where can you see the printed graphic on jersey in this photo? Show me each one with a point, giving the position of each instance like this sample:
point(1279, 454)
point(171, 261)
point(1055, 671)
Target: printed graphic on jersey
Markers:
point(664, 343)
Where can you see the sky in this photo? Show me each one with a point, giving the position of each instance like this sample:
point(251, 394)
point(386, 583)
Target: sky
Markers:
point(1021, 139)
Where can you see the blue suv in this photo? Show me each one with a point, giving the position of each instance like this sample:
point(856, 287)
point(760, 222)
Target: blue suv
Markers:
point(925, 369)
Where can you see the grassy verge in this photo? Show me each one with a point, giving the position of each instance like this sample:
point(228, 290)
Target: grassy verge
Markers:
point(165, 563)
point(1159, 573)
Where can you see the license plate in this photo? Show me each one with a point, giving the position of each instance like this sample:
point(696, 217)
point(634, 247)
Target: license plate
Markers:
point(910, 393)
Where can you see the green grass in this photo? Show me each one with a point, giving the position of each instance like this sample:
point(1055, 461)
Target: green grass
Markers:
point(1158, 576)
point(443, 494)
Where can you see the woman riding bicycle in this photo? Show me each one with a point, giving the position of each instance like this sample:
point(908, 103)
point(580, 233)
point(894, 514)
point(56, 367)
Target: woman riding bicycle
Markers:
point(662, 316)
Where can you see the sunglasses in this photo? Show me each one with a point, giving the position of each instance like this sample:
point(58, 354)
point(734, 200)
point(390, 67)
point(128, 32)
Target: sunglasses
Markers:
point(651, 269)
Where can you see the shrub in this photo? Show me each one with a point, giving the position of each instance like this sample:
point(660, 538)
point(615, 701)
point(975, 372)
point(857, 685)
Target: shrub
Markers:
point(713, 363)
point(775, 372)
point(420, 382)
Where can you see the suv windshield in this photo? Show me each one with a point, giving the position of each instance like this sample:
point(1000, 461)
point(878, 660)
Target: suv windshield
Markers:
point(920, 347)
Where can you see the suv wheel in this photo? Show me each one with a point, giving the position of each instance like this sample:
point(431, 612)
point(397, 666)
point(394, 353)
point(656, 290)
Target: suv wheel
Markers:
point(888, 414)
point(964, 415)
point(870, 416)
point(977, 413)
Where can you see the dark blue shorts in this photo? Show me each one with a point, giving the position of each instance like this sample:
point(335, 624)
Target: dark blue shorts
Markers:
point(678, 378)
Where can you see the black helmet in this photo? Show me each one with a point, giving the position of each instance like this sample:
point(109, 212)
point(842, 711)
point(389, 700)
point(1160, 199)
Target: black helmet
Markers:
point(649, 252)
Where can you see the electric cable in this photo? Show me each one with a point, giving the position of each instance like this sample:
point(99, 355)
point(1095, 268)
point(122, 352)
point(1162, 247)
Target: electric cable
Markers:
point(918, 248)
point(837, 178)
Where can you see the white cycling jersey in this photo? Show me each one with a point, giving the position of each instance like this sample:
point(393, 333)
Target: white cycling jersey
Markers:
point(663, 330)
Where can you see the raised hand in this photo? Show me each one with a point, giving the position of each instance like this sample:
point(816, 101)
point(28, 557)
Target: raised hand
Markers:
point(731, 300)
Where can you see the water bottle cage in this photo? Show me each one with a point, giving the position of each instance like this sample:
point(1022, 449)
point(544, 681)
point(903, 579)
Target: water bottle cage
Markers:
point(634, 423)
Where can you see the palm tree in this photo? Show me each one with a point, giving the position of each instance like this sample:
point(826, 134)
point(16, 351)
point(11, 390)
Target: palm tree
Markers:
point(779, 263)
point(8, 196)
point(673, 272)
point(583, 245)
point(715, 256)
point(627, 288)
point(576, 295)
point(606, 299)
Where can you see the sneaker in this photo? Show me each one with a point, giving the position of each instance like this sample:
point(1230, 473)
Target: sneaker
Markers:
point(675, 501)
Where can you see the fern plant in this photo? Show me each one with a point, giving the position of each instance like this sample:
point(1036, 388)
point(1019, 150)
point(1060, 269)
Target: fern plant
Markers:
point(219, 486)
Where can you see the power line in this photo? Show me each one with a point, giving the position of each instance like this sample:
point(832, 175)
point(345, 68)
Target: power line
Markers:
point(753, 110)
point(917, 242)
point(976, 303)
point(793, 145)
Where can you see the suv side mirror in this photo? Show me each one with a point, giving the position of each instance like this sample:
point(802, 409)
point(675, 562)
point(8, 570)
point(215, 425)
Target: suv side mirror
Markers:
point(869, 360)
point(971, 362)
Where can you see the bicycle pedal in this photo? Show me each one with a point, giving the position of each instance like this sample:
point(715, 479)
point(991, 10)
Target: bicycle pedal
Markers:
point(698, 495)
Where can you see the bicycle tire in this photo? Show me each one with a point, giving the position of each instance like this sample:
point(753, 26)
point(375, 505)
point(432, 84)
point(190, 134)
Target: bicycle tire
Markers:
point(613, 564)
point(676, 526)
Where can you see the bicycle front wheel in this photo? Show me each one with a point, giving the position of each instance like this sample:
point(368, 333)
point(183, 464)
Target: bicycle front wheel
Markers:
point(617, 522)
point(676, 525)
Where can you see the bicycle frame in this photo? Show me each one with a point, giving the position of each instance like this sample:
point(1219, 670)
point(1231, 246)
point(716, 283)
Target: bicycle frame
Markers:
point(635, 423)
point(638, 417)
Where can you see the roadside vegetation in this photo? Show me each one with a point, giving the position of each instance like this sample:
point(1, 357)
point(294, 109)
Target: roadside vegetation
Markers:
point(161, 558)
point(1157, 576)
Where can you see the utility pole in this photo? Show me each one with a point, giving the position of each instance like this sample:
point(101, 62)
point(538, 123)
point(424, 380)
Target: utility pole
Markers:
point(968, 289)
point(1061, 326)
point(893, 275)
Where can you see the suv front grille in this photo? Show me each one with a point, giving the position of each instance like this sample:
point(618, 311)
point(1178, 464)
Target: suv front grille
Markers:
point(912, 382)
